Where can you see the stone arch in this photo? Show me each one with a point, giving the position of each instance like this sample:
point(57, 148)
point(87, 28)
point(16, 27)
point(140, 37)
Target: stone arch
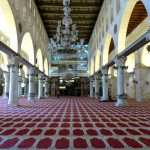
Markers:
point(130, 63)
point(46, 66)
point(27, 49)
point(8, 25)
point(3, 61)
point(92, 67)
point(106, 49)
point(124, 24)
point(97, 61)
point(39, 60)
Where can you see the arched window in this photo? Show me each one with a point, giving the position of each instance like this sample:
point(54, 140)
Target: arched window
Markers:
point(106, 24)
point(24, 13)
point(30, 4)
point(118, 5)
point(17, 4)
point(112, 15)
point(34, 12)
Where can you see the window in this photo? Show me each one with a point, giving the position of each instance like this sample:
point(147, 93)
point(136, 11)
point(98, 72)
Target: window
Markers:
point(30, 4)
point(118, 5)
point(34, 12)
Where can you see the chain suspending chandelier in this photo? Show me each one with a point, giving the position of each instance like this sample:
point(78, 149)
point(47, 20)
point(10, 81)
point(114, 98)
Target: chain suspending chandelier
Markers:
point(64, 43)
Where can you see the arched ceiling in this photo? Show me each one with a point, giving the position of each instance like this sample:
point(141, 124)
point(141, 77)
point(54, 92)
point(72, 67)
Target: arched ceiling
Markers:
point(84, 14)
point(138, 15)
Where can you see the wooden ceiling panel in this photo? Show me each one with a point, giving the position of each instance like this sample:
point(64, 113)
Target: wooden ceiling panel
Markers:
point(139, 14)
point(84, 14)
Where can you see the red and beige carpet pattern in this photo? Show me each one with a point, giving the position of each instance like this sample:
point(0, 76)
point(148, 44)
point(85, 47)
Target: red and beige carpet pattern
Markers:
point(74, 123)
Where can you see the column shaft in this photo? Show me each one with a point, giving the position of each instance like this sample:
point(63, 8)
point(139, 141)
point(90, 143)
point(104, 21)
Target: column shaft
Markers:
point(121, 96)
point(6, 86)
point(40, 87)
point(105, 84)
point(96, 87)
point(31, 94)
point(91, 88)
point(13, 89)
point(46, 90)
point(19, 87)
point(26, 87)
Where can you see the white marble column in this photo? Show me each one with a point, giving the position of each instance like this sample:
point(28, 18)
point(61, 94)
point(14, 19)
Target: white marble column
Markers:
point(121, 96)
point(40, 86)
point(105, 83)
point(96, 86)
point(6, 85)
point(91, 88)
point(19, 86)
point(25, 87)
point(13, 86)
point(46, 89)
point(31, 94)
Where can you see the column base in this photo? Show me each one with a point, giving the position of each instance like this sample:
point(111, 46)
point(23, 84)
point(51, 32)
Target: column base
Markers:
point(104, 99)
point(13, 105)
point(5, 97)
point(121, 103)
point(31, 99)
point(41, 97)
point(96, 97)
point(46, 96)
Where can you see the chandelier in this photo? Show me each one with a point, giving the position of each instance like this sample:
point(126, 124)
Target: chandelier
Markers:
point(64, 42)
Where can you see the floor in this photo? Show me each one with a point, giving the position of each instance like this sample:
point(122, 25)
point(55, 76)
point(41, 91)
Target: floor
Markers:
point(74, 123)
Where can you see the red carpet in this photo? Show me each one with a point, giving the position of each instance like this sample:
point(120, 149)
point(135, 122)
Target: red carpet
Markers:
point(74, 123)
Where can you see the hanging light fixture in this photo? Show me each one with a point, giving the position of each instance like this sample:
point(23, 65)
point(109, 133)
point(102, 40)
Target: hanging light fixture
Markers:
point(64, 42)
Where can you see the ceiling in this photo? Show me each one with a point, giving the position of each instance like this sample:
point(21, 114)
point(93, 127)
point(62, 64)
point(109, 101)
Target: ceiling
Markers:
point(84, 14)
point(138, 15)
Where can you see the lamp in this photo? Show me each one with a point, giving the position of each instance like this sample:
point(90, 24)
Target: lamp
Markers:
point(64, 42)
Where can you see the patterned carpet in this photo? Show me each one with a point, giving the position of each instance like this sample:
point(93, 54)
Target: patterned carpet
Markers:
point(74, 123)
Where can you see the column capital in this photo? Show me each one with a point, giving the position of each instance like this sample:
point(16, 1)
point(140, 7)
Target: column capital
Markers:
point(120, 62)
point(32, 71)
point(6, 74)
point(19, 79)
point(91, 79)
point(104, 71)
point(46, 79)
point(26, 80)
point(14, 60)
point(96, 76)
point(40, 76)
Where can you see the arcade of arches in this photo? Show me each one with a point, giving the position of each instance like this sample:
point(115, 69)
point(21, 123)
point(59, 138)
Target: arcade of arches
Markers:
point(100, 99)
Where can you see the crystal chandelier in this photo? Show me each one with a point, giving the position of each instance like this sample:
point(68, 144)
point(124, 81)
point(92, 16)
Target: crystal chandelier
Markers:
point(64, 43)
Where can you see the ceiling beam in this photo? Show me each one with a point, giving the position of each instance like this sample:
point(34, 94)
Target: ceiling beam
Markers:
point(72, 4)
point(78, 24)
point(73, 12)
point(77, 19)
point(62, 15)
